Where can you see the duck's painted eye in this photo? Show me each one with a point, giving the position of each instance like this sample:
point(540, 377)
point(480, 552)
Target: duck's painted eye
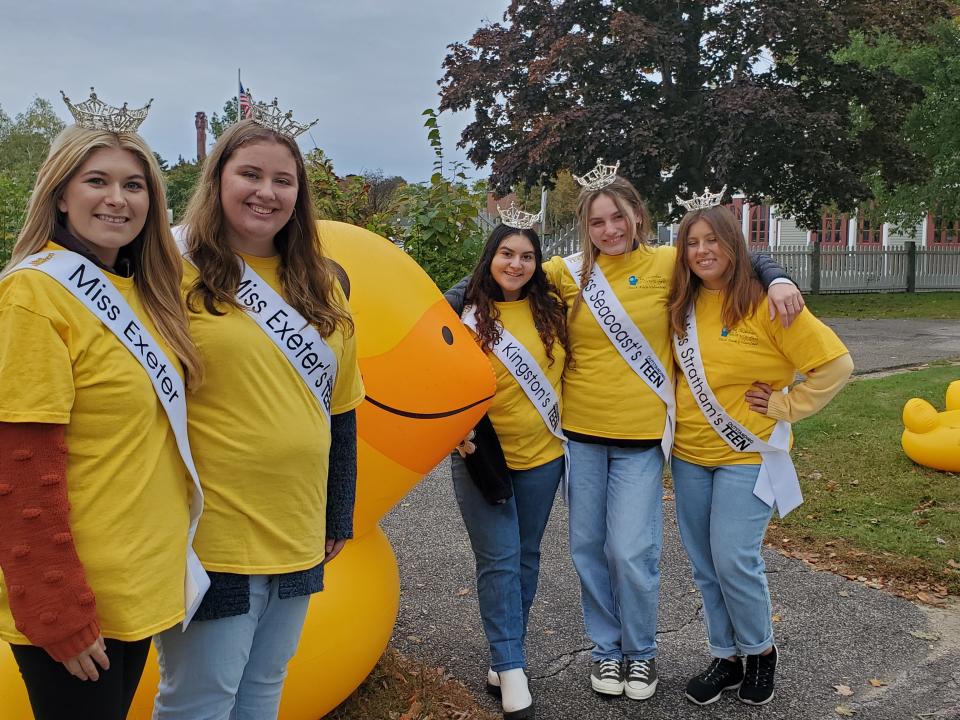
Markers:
point(447, 335)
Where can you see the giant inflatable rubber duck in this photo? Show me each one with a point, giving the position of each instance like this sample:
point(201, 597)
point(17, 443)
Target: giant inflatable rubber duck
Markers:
point(931, 438)
point(427, 384)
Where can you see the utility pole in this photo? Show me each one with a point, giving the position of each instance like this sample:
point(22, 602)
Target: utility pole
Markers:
point(200, 122)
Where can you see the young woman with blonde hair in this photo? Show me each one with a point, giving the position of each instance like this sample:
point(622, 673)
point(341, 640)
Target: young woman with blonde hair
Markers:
point(94, 496)
point(273, 427)
point(617, 414)
point(731, 462)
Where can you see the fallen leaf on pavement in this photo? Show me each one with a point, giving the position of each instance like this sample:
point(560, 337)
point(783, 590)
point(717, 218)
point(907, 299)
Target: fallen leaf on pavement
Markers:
point(924, 635)
point(845, 711)
point(877, 682)
point(843, 690)
point(463, 592)
point(930, 599)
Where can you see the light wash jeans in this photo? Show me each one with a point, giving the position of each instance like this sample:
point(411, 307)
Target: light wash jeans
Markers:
point(506, 545)
point(616, 532)
point(232, 668)
point(722, 524)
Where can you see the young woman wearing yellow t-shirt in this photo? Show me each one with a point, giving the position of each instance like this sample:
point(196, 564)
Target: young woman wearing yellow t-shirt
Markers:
point(733, 363)
point(616, 424)
point(94, 495)
point(509, 291)
point(278, 471)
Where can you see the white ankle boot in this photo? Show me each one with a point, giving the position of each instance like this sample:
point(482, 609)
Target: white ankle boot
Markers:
point(515, 694)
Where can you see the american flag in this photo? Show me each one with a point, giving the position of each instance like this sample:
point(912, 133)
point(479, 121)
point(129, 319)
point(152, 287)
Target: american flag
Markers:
point(246, 103)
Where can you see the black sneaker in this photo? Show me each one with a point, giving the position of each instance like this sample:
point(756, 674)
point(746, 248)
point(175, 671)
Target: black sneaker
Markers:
point(606, 677)
point(641, 682)
point(757, 687)
point(708, 686)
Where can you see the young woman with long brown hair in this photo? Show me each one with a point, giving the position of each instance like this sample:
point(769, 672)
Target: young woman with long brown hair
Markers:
point(617, 414)
point(731, 461)
point(273, 427)
point(94, 496)
point(519, 321)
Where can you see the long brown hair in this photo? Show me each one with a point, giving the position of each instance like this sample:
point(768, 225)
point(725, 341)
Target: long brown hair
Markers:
point(628, 201)
point(157, 267)
point(743, 290)
point(545, 304)
point(306, 275)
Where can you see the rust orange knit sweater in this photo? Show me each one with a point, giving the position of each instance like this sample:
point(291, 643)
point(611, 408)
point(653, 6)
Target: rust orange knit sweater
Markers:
point(51, 603)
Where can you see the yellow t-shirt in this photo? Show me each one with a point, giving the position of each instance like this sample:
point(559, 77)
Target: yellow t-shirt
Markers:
point(524, 437)
point(127, 486)
point(261, 441)
point(758, 349)
point(602, 395)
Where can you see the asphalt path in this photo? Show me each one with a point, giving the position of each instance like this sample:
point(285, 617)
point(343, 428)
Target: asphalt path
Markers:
point(830, 631)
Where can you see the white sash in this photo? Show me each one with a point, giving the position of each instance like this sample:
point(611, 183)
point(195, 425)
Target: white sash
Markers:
point(777, 484)
point(629, 341)
point(532, 380)
point(91, 287)
point(298, 340)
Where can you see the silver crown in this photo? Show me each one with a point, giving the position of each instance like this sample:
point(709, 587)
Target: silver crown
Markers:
point(702, 202)
point(94, 114)
point(271, 117)
point(516, 218)
point(598, 178)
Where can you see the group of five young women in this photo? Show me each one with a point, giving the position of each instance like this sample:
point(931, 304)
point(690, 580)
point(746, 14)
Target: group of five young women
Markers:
point(126, 374)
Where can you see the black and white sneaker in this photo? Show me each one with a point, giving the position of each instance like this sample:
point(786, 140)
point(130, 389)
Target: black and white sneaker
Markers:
point(606, 677)
point(708, 686)
point(757, 687)
point(641, 682)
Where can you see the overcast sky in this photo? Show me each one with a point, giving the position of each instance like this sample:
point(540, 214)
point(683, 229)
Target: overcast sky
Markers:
point(365, 68)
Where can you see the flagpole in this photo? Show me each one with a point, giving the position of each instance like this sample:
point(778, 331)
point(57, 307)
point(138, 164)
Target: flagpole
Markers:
point(238, 95)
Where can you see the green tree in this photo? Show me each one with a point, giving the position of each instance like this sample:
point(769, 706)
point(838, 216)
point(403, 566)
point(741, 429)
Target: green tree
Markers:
point(345, 199)
point(562, 194)
point(181, 181)
point(24, 143)
point(440, 229)
point(219, 123)
point(746, 93)
point(931, 127)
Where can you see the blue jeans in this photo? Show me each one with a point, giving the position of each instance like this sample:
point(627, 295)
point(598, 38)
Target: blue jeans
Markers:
point(722, 524)
point(506, 545)
point(232, 668)
point(616, 532)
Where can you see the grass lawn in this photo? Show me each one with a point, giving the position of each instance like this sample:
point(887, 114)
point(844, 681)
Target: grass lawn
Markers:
point(877, 306)
point(864, 497)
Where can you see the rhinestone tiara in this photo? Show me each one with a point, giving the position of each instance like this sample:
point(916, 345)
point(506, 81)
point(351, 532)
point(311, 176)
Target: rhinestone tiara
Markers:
point(271, 117)
point(702, 202)
point(516, 218)
point(94, 114)
point(598, 178)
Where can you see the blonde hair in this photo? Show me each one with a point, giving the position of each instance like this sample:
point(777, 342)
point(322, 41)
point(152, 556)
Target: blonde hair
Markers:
point(306, 276)
point(743, 290)
point(628, 201)
point(157, 267)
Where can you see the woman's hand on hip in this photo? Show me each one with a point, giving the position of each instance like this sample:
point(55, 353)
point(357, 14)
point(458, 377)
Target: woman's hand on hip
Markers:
point(758, 396)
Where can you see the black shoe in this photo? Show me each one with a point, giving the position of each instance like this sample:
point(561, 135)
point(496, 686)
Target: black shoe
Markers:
point(527, 713)
point(757, 687)
point(641, 681)
point(606, 677)
point(708, 686)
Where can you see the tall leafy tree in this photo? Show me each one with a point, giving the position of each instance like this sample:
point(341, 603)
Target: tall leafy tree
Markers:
point(687, 93)
point(932, 126)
